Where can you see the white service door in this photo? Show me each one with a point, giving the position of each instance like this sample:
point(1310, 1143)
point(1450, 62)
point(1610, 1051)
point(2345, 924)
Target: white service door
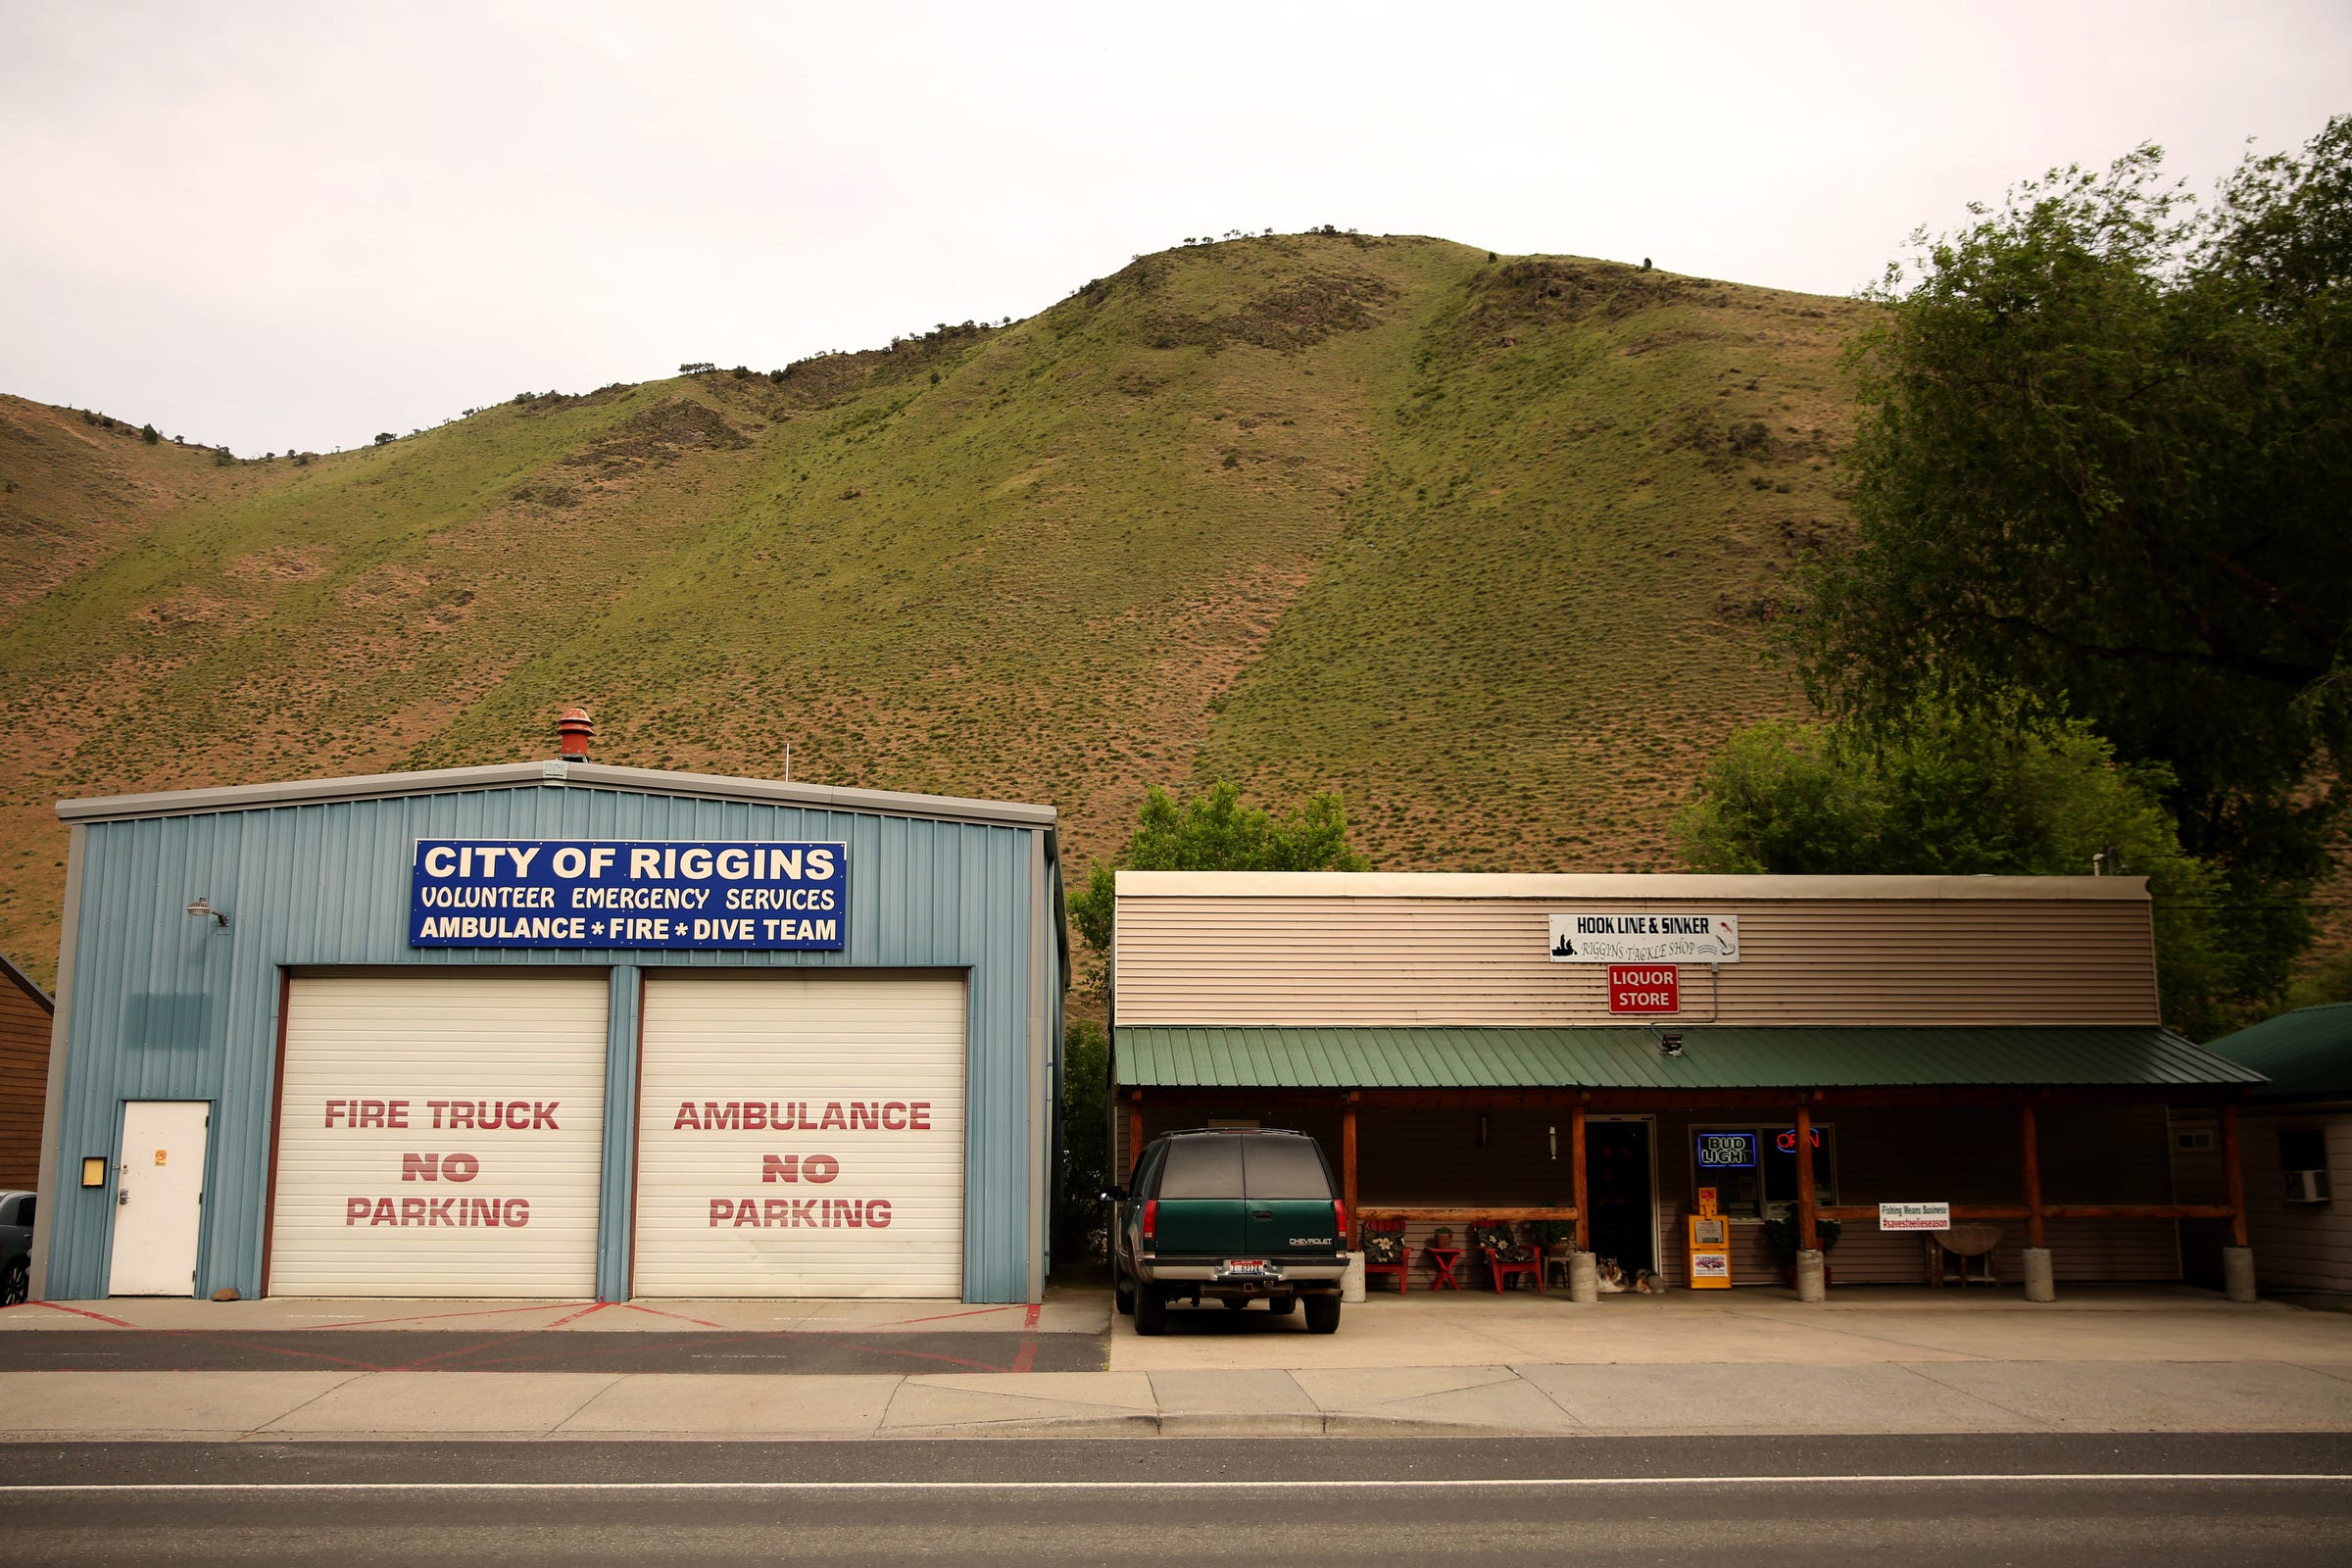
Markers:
point(440, 1136)
point(801, 1135)
point(159, 1197)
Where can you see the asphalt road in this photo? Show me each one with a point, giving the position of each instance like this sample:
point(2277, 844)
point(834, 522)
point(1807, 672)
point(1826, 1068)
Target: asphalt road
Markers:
point(602, 1351)
point(1979, 1499)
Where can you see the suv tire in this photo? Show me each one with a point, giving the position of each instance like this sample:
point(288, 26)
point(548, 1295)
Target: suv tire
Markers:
point(1282, 1305)
point(1322, 1315)
point(1122, 1291)
point(1151, 1310)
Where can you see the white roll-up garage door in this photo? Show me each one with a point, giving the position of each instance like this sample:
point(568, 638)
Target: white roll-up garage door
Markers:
point(440, 1136)
point(801, 1135)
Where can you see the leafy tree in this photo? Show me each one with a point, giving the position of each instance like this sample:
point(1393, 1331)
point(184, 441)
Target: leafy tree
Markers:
point(384, 438)
point(149, 434)
point(1941, 791)
point(1214, 831)
point(2102, 459)
point(1085, 1135)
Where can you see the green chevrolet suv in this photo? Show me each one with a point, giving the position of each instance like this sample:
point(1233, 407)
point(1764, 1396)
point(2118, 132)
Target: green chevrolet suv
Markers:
point(1235, 1216)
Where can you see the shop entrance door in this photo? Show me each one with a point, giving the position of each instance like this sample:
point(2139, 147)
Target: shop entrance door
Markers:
point(1620, 1185)
point(159, 1197)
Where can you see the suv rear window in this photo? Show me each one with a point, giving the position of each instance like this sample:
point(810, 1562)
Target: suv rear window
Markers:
point(1283, 1169)
point(1202, 1167)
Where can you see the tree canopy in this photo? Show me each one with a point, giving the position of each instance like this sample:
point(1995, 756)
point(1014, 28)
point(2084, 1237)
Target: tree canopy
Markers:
point(1937, 791)
point(2104, 458)
point(1215, 831)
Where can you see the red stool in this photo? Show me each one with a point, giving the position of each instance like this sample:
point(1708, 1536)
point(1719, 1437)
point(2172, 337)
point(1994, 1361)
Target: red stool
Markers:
point(1443, 1260)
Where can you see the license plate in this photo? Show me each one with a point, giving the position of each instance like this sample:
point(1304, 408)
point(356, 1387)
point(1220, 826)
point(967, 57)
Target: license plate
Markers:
point(1245, 1265)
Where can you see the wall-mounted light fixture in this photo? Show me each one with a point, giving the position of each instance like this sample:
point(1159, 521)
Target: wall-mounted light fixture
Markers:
point(1670, 1044)
point(93, 1170)
point(200, 907)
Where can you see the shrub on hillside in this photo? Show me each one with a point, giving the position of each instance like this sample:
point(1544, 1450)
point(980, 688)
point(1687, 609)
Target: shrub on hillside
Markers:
point(384, 438)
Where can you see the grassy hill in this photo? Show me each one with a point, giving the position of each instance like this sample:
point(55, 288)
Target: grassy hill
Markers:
point(1488, 543)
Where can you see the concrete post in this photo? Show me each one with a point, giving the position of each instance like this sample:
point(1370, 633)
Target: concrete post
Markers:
point(1584, 1277)
point(1352, 1283)
point(2041, 1283)
point(2237, 1273)
point(1812, 1283)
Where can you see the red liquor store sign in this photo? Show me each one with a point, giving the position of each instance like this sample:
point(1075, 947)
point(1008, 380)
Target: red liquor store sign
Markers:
point(1644, 988)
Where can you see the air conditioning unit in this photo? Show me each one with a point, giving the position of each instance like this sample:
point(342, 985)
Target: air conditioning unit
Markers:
point(2307, 1186)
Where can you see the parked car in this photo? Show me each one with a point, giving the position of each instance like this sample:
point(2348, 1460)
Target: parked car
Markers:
point(1231, 1215)
point(16, 1247)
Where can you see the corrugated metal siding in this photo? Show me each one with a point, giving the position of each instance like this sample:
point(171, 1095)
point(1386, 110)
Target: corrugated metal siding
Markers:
point(173, 1007)
point(1627, 1057)
point(1326, 960)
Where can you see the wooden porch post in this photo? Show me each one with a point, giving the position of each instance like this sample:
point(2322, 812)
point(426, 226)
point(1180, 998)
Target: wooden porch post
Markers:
point(1808, 1233)
point(1355, 1219)
point(1135, 1130)
point(2234, 1175)
point(2029, 1145)
point(1576, 1178)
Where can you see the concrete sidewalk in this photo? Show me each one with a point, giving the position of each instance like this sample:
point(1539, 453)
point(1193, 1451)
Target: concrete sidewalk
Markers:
point(1756, 1362)
point(1063, 1312)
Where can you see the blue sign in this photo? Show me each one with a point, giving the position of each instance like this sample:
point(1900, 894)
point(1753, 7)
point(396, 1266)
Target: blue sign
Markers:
point(1727, 1150)
point(564, 893)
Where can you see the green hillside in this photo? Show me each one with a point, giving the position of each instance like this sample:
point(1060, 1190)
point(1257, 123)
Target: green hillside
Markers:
point(1489, 544)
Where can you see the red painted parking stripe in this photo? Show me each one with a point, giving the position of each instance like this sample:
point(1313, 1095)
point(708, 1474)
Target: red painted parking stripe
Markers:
point(940, 1317)
point(431, 1317)
point(679, 1316)
point(78, 1312)
point(1026, 1357)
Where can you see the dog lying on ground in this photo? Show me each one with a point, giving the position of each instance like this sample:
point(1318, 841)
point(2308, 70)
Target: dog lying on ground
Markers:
point(1614, 1283)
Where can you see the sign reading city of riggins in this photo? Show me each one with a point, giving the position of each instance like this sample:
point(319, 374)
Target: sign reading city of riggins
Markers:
point(564, 893)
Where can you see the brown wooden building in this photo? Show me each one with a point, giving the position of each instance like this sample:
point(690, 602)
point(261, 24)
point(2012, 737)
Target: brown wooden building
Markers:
point(1592, 1050)
point(2298, 1135)
point(26, 1010)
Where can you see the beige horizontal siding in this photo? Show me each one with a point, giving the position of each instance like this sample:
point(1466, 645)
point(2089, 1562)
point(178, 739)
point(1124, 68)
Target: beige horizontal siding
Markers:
point(1403, 962)
point(2299, 1246)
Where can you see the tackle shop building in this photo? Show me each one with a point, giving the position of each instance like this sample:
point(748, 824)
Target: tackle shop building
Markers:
point(553, 1029)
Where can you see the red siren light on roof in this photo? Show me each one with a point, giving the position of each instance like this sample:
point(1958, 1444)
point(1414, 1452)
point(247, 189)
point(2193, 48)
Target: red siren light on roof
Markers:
point(573, 731)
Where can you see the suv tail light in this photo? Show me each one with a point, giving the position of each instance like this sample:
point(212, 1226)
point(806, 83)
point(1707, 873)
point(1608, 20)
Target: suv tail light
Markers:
point(1150, 1217)
point(1339, 1222)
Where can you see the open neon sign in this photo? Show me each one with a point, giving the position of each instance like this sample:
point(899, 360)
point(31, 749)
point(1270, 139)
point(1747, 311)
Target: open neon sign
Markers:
point(1786, 1142)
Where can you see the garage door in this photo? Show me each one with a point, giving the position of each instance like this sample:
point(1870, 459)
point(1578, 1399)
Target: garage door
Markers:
point(440, 1136)
point(801, 1135)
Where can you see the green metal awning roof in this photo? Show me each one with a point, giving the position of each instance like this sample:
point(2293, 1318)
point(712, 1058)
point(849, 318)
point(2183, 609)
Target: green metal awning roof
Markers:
point(2306, 1053)
point(1714, 1057)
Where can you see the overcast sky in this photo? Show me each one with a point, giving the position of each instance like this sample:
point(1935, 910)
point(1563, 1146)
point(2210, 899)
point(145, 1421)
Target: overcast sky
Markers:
point(279, 225)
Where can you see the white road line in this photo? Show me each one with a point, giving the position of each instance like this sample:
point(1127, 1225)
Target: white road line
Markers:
point(1487, 1484)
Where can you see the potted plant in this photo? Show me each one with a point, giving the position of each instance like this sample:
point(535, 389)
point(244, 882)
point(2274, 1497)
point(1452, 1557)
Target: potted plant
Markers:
point(1442, 1237)
point(1557, 1237)
point(1781, 1235)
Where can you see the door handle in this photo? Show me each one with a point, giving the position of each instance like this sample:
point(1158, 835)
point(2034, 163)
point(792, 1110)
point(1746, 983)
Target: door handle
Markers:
point(121, 1195)
point(1261, 1213)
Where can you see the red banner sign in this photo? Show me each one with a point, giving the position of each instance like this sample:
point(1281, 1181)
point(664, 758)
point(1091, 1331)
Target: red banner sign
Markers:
point(1644, 988)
